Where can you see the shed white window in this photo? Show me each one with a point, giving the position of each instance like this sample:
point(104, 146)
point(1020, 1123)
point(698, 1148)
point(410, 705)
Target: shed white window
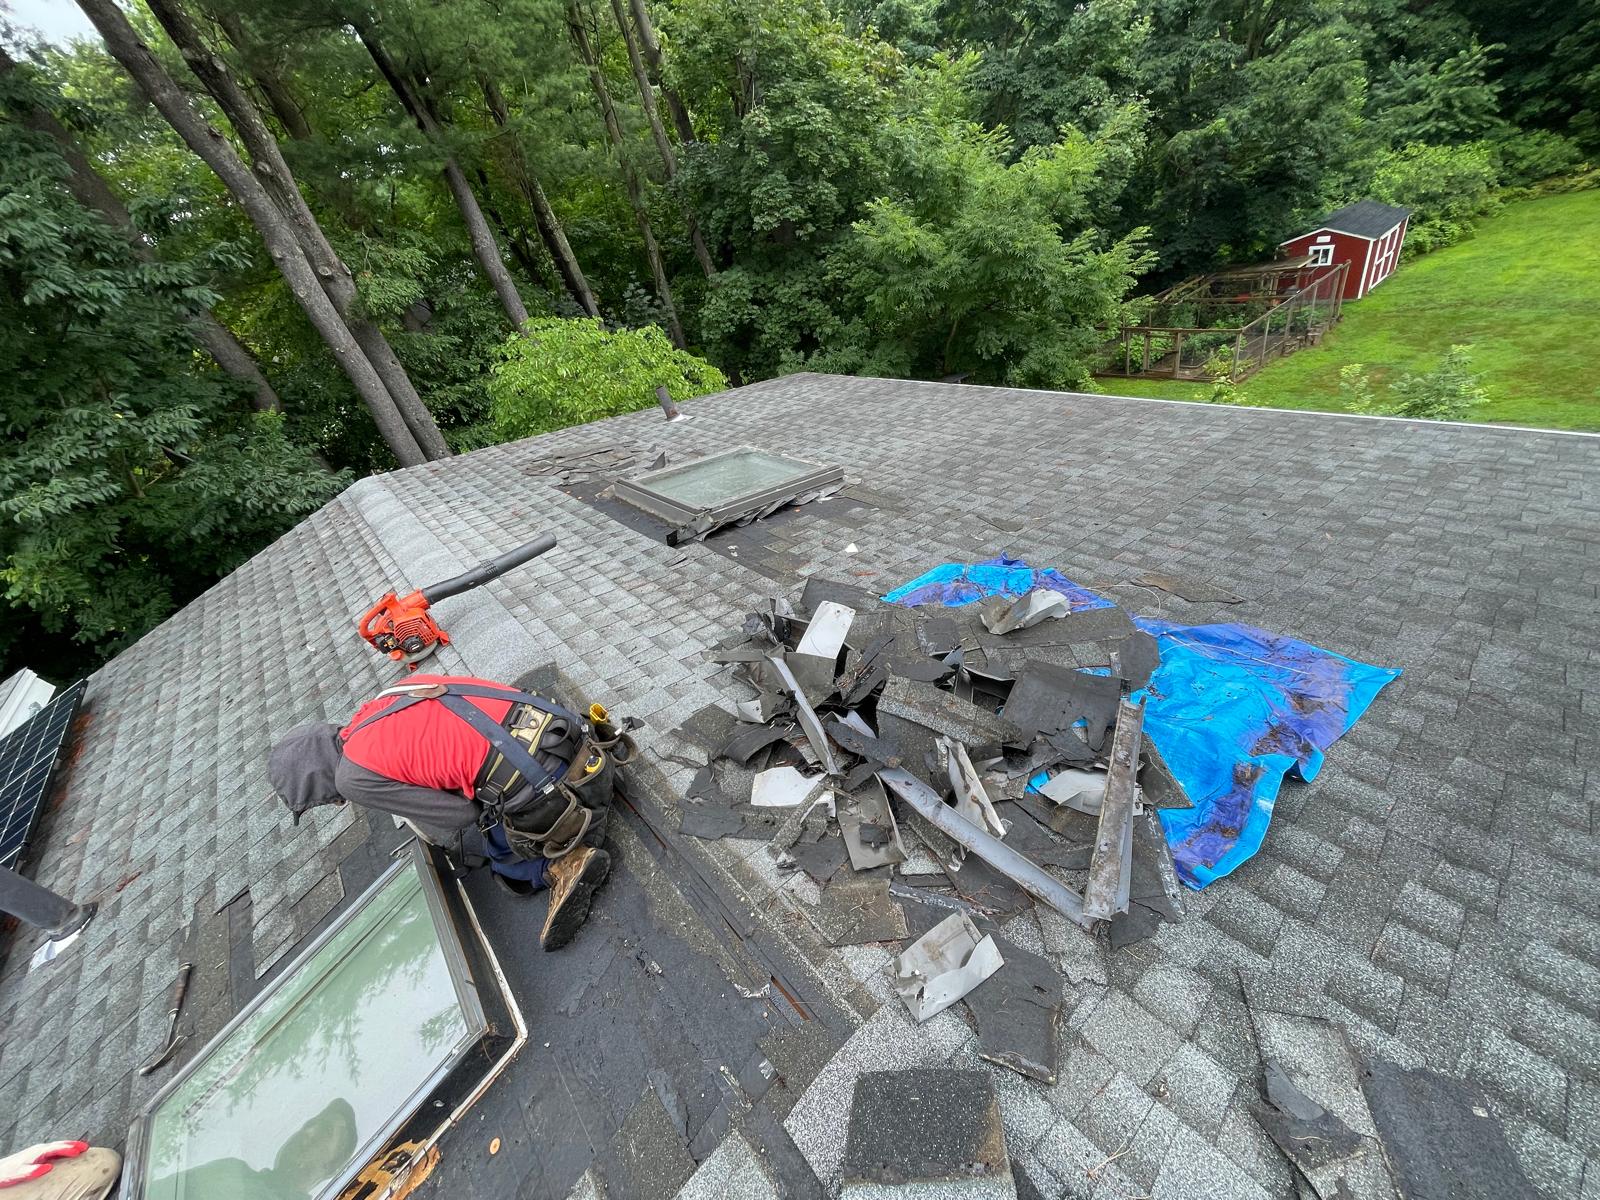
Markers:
point(1322, 256)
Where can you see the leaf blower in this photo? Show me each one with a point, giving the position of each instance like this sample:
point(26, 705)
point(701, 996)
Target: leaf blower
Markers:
point(400, 626)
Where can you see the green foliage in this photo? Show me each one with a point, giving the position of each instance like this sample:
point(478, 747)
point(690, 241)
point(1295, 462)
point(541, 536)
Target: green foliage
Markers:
point(132, 473)
point(566, 372)
point(1529, 157)
point(1449, 392)
point(1441, 103)
point(1447, 189)
point(910, 187)
point(1254, 142)
point(990, 271)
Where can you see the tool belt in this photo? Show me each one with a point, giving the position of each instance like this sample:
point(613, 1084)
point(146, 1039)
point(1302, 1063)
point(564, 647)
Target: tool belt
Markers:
point(551, 821)
point(549, 772)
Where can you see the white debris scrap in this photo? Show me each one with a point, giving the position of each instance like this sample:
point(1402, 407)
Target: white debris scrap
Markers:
point(943, 965)
point(784, 787)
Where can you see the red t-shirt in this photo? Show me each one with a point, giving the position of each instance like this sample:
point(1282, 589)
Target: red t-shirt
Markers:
point(426, 744)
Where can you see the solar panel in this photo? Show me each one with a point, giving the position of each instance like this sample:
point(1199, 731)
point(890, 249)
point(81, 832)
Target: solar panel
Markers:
point(28, 757)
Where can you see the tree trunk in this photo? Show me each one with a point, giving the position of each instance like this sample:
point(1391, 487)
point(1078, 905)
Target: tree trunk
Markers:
point(484, 246)
point(630, 181)
point(218, 154)
point(550, 230)
point(268, 81)
point(273, 173)
point(91, 190)
point(652, 111)
point(652, 53)
point(517, 243)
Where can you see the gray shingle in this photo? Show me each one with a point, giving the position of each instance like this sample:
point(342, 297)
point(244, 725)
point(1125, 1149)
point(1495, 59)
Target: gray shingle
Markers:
point(1438, 877)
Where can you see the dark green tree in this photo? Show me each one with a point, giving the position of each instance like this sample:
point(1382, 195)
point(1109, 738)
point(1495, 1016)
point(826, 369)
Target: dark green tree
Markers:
point(134, 473)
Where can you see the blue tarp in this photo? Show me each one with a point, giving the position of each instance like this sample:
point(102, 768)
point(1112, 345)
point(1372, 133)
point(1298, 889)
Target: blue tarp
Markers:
point(1233, 709)
point(952, 585)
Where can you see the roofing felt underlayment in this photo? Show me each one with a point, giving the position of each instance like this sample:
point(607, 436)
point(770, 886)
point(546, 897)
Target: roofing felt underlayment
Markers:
point(1433, 891)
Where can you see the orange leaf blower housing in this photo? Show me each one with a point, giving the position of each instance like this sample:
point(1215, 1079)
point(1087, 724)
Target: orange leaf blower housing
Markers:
point(401, 627)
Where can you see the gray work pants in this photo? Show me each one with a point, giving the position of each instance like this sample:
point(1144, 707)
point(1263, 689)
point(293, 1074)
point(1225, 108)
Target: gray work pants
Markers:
point(38, 906)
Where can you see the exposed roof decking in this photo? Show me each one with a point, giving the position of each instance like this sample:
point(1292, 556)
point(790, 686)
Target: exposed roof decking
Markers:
point(1435, 888)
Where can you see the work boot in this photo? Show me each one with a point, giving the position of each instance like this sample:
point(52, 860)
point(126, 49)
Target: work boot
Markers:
point(573, 880)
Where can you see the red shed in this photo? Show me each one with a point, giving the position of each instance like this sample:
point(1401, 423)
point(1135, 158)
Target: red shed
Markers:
point(1366, 234)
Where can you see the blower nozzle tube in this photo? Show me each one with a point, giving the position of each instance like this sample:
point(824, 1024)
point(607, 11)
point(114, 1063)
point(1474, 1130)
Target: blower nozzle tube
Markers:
point(490, 569)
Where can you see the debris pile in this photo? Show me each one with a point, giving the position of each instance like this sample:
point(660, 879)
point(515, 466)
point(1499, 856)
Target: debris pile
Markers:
point(972, 762)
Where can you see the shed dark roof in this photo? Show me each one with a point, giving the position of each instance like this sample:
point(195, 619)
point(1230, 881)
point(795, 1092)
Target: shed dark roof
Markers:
point(1364, 218)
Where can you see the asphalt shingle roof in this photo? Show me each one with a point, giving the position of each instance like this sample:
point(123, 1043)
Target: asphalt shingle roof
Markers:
point(1435, 889)
point(1364, 218)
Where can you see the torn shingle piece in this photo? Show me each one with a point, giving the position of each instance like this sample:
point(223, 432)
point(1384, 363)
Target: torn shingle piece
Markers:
point(813, 673)
point(862, 745)
point(1195, 591)
point(1310, 1137)
point(943, 965)
point(1135, 925)
point(856, 909)
point(708, 728)
point(710, 820)
point(808, 717)
point(925, 1132)
point(820, 859)
point(1440, 1136)
point(849, 595)
point(1155, 877)
point(918, 751)
point(1016, 1010)
point(939, 636)
point(1156, 780)
point(744, 744)
point(1138, 655)
point(1049, 699)
point(944, 713)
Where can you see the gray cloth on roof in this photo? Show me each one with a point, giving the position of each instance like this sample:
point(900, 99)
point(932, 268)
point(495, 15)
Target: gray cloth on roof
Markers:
point(302, 766)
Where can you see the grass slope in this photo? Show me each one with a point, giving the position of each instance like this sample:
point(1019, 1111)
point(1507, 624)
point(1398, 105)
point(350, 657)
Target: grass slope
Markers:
point(1525, 292)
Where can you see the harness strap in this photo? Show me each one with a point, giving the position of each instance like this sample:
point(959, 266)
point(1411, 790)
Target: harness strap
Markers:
point(453, 697)
point(416, 693)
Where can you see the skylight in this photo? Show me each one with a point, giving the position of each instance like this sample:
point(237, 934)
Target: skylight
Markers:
point(313, 1077)
point(724, 485)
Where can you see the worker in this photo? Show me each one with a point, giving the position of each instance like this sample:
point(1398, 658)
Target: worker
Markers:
point(26, 900)
point(484, 770)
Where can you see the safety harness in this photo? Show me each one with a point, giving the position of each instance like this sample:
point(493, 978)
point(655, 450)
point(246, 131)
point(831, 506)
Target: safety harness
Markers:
point(537, 802)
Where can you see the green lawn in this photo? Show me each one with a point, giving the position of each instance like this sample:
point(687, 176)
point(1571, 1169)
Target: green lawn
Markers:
point(1525, 292)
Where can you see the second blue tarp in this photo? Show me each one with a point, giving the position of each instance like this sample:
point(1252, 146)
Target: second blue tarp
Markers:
point(1233, 710)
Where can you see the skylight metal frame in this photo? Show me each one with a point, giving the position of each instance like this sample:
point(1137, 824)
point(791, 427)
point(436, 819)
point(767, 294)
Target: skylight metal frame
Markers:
point(638, 492)
point(495, 1033)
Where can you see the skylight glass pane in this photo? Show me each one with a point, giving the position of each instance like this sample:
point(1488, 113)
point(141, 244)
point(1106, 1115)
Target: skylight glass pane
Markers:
point(724, 478)
point(311, 1078)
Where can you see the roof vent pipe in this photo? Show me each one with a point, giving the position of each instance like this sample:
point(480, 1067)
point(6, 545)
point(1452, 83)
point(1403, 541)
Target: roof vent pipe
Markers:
point(670, 406)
